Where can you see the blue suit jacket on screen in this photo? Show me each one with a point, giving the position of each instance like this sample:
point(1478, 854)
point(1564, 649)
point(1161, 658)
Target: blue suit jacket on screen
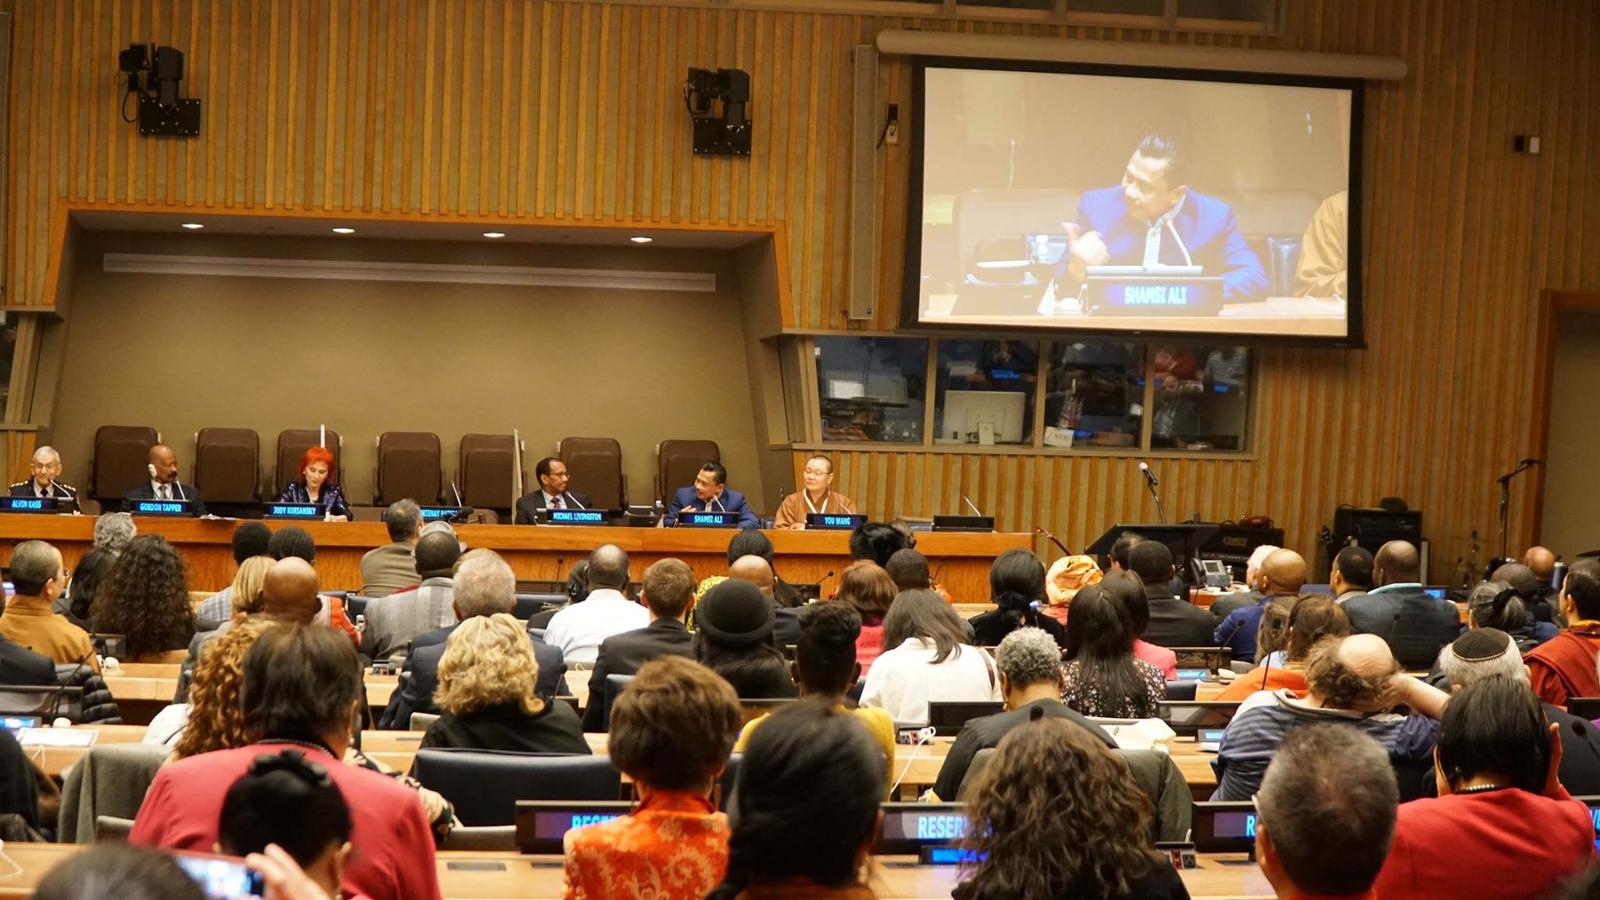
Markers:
point(1207, 227)
point(730, 501)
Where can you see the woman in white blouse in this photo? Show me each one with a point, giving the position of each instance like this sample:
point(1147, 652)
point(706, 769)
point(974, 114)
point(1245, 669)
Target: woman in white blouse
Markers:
point(926, 657)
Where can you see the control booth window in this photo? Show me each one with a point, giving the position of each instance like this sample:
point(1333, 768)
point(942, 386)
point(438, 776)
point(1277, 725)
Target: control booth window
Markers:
point(872, 388)
point(8, 350)
point(1094, 395)
point(1200, 396)
point(985, 392)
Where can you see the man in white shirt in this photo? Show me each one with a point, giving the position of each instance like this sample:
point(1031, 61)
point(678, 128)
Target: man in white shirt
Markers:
point(578, 630)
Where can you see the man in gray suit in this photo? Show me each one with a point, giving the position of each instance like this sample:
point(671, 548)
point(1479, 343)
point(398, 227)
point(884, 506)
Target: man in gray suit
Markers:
point(391, 567)
point(392, 621)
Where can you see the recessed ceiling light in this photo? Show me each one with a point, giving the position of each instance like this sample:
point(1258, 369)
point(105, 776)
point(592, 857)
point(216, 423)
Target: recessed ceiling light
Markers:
point(342, 229)
point(641, 239)
point(192, 226)
point(494, 234)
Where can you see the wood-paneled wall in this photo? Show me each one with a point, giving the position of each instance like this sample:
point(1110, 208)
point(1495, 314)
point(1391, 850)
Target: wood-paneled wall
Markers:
point(571, 111)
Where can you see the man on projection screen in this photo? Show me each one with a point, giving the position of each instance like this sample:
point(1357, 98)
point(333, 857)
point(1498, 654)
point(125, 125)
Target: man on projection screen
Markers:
point(1155, 219)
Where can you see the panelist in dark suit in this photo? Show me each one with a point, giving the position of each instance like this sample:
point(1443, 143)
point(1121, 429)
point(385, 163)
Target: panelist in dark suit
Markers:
point(312, 485)
point(19, 665)
point(710, 493)
point(44, 483)
point(668, 588)
point(164, 483)
point(552, 492)
point(1153, 217)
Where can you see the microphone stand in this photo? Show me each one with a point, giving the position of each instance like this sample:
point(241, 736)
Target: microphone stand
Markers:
point(1150, 485)
point(1505, 499)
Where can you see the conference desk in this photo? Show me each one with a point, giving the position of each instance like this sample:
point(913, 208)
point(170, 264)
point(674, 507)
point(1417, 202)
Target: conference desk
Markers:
point(535, 552)
point(484, 875)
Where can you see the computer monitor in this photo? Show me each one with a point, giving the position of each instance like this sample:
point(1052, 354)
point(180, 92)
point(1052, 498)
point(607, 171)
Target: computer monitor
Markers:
point(981, 413)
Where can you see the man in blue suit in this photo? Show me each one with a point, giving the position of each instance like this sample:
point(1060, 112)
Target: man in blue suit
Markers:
point(710, 493)
point(1155, 218)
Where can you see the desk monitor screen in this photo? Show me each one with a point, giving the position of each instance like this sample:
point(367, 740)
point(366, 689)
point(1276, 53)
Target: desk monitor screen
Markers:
point(13, 723)
point(541, 824)
point(982, 417)
point(28, 504)
point(1224, 827)
point(908, 827)
point(1437, 592)
point(1594, 814)
point(313, 511)
point(436, 513)
point(160, 507)
point(575, 517)
point(834, 521)
point(708, 520)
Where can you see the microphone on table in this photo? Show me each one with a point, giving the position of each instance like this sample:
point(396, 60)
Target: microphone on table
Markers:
point(457, 492)
point(975, 510)
point(63, 488)
point(179, 485)
point(573, 500)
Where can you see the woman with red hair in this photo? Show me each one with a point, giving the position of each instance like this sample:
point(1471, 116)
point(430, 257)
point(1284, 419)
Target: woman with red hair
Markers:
point(312, 486)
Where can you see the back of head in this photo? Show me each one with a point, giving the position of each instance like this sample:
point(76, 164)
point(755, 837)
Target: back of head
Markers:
point(806, 801)
point(1016, 579)
point(1099, 627)
point(33, 564)
point(1397, 562)
point(300, 682)
point(754, 569)
point(1582, 587)
point(1283, 572)
point(292, 541)
point(876, 541)
point(114, 531)
point(250, 539)
point(1122, 549)
point(1327, 807)
point(668, 588)
point(1520, 577)
point(1492, 604)
point(674, 725)
point(488, 661)
point(869, 589)
point(146, 598)
point(1482, 653)
point(1355, 567)
point(483, 584)
point(1065, 817)
point(577, 589)
point(1272, 633)
point(1541, 561)
point(287, 800)
point(825, 656)
point(403, 519)
point(121, 871)
point(1313, 618)
point(1128, 592)
point(750, 542)
point(1028, 656)
point(608, 568)
point(1495, 727)
point(1151, 561)
point(289, 591)
point(249, 583)
point(908, 569)
point(436, 555)
point(216, 721)
point(924, 615)
point(92, 571)
point(1352, 672)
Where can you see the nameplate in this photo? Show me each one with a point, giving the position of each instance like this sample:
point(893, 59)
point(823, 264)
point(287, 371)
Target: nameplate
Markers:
point(14, 724)
point(911, 827)
point(1140, 296)
point(57, 737)
point(295, 511)
point(1224, 827)
point(707, 519)
point(160, 507)
point(438, 513)
point(963, 523)
point(541, 824)
point(575, 517)
point(28, 504)
point(834, 521)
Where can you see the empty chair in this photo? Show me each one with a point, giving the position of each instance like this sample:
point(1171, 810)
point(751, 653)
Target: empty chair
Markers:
point(1283, 257)
point(463, 775)
point(486, 471)
point(408, 467)
point(292, 445)
point(678, 462)
point(227, 464)
point(121, 453)
point(498, 838)
point(595, 466)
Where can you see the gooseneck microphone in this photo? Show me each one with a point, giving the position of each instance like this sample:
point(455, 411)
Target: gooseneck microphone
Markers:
point(1150, 483)
point(975, 510)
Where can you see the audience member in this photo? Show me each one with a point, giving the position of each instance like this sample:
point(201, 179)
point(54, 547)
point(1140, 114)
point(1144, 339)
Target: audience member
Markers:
point(1282, 574)
point(1530, 590)
point(249, 540)
point(394, 620)
point(1502, 825)
point(757, 571)
point(93, 570)
point(1398, 610)
point(668, 588)
point(553, 492)
point(120, 871)
point(869, 590)
point(710, 493)
point(391, 567)
point(1325, 814)
point(1102, 678)
point(1350, 576)
point(482, 586)
point(20, 781)
point(289, 592)
point(1066, 577)
point(1543, 565)
point(146, 600)
point(806, 807)
point(1122, 551)
point(578, 629)
point(877, 542)
point(576, 590)
point(1016, 587)
point(249, 583)
point(302, 686)
point(164, 483)
point(114, 531)
point(313, 486)
point(818, 496)
point(1029, 663)
point(754, 542)
point(733, 637)
point(38, 577)
point(288, 801)
point(292, 541)
point(486, 690)
point(214, 719)
point(1128, 592)
point(928, 658)
point(1223, 606)
point(825, 668)
point(1174, 621)
point(671, 733)
point(1304, 621)
point(1492, 604)
point(1564, 666)
point(1355, 680)
point(908, 569)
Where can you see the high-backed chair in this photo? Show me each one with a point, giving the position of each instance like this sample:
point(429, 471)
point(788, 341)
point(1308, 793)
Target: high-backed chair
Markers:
point(486, 467)
point(121, 453)
point(595, 466)
point(227, 464)
point(293, 444)
point(984, 213)
point(408, 467)
point(678, 462)
point(485, 785)
point(1283, 258)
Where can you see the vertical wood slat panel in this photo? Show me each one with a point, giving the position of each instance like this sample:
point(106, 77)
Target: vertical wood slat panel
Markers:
point(338, 104)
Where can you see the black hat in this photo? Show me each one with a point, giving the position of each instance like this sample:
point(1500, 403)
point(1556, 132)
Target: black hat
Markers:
point(734, 614)
point(1481, 645)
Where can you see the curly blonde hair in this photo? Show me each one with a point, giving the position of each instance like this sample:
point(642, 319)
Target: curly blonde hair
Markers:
point(216, 719)
point(248, 584)
point(488, 661)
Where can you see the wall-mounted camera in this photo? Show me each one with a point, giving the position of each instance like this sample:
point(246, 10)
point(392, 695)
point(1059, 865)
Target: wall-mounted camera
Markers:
point(716, 102)
point(153, 75)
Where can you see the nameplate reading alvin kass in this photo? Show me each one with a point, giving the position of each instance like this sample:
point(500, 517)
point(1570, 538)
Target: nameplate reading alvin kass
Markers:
point(28, 504)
